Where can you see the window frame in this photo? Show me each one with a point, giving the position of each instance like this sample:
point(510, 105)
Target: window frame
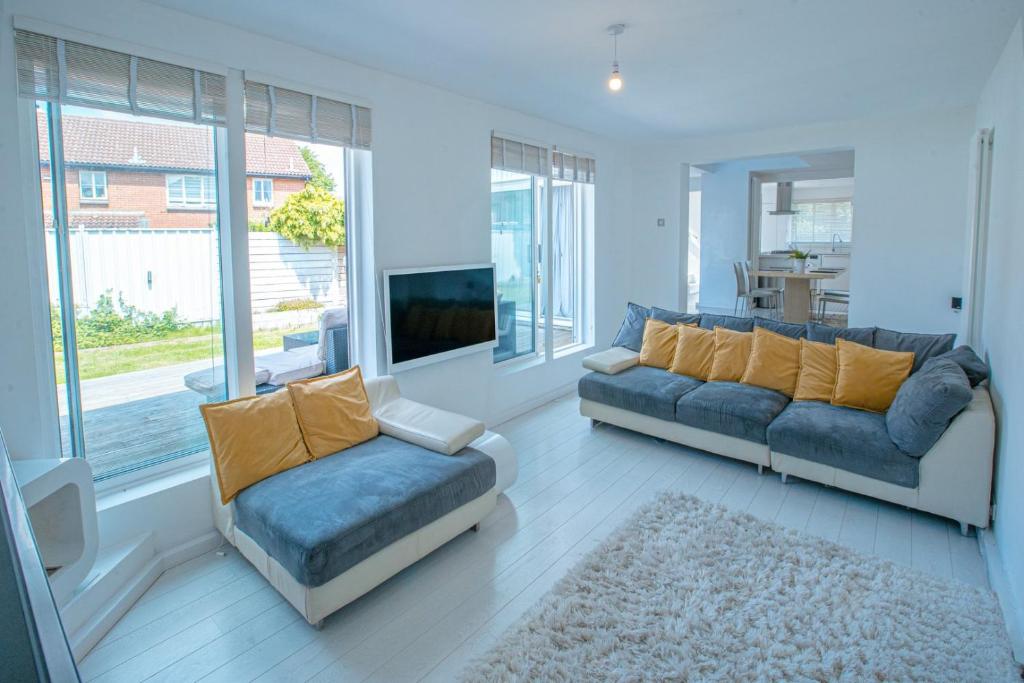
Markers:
point(543, 199)
point(93, 185)
point(207, 189)
point(269, 183)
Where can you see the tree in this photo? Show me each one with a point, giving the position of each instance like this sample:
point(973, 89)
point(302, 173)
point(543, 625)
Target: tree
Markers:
point(311, 217)
point(321, 178)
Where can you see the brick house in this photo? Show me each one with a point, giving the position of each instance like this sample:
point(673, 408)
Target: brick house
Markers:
point(135, 174)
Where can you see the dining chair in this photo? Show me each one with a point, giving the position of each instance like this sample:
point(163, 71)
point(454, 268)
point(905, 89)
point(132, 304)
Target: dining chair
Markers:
point(831, 296)
point(772, 294)
point(745, 296)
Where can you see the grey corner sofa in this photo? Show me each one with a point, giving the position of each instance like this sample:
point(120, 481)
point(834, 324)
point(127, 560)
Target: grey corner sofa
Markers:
point(932, 451)
point(326, 532)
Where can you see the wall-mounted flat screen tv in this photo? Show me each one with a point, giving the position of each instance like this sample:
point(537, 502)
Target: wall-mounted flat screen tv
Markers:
point(432, 314)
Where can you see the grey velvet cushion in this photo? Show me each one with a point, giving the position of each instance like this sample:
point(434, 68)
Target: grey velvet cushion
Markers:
point(924, 346)
point(324, 517)
point(642, 389)
point(974, 367)
point(925, 404)
point(674, 317)
point(828, 335)
point(739, 410)
point(729, 322)
point(631, 332)
point(853, 440)
point(788, 329)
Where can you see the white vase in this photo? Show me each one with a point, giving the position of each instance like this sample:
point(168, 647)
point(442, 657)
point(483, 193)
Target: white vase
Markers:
point(799, 265)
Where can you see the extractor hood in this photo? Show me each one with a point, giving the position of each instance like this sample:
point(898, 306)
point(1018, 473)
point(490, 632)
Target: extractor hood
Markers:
point(783, 200)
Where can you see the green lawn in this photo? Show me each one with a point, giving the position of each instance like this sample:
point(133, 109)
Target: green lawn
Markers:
point(114, 360)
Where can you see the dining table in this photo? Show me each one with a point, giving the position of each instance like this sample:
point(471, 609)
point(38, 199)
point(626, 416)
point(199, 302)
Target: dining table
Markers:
point(796, 291)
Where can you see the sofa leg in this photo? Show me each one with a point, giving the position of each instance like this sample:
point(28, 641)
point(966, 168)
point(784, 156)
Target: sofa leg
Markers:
point(319, 626)
point(760, 469)
point(475, 527)
point(785, 478)
point(594, 423)
point(965, 529)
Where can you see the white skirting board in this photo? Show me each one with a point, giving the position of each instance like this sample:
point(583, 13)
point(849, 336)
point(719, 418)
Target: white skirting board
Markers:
point(1013, 609)
point(122, 575)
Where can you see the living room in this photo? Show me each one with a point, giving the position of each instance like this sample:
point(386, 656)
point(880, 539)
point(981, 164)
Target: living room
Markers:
point(410, 115)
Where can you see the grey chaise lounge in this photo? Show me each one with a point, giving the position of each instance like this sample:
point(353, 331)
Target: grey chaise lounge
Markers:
point(326, 532)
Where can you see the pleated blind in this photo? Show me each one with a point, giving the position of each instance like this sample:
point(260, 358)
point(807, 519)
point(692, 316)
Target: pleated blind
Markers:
point(64, 71)
point(272, 110)
point(519, 157)
point(573, 167)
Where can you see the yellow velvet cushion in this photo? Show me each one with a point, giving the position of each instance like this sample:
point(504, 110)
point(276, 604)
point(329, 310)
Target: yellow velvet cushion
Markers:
point(732, 349)
point(695, 350)
point(774, 362)
point(251, 439)
point(817, 377)
point(333, 411)
point(869, 378)
point(659, 344)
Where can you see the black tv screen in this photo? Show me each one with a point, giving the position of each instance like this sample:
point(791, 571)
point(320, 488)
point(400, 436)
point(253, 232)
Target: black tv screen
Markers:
point(439, 311)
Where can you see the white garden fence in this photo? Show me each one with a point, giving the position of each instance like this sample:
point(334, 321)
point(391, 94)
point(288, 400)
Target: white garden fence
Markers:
point(156, 270)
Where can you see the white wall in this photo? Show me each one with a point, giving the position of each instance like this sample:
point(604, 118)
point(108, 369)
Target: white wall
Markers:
point(431, 201)
point(1002, 108)
point(911, 201)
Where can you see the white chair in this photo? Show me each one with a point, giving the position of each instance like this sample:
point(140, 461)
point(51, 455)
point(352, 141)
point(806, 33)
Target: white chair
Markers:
point(745, 295)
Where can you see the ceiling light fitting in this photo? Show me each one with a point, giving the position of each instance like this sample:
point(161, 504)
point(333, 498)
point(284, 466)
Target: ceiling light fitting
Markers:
point(615, 80)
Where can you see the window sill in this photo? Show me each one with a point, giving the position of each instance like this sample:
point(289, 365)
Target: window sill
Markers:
point(94, 202)
point(151, 480)
point(514, 365)
point(206, 208)
point(579, 347)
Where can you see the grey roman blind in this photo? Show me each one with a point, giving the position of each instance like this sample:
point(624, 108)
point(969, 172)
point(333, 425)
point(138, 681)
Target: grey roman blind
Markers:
point(566, 166)
point(64, 71)
point(519, 157)
point(272, 110)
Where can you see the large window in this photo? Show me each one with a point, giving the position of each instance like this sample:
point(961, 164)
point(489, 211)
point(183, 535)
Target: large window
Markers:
point(191, 191)
point(538, 246)
point(139, 287)
point(92, 186)
point(135, 281)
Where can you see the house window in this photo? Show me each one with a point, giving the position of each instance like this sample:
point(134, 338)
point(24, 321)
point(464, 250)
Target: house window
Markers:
point(820, 221)
point(92, 186)
point(191, 191)
point(262, 191)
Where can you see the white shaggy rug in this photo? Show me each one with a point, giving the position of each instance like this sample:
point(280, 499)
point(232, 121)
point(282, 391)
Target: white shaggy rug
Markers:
point(689, 591)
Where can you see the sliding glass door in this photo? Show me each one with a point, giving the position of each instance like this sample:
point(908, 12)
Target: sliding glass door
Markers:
point(130, 212)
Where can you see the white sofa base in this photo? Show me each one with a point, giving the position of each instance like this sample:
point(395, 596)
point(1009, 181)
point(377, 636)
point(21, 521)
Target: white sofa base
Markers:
point(955, 475)
point(318, 602)
point(713, 442)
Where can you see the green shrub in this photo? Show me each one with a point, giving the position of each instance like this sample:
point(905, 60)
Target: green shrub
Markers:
point(108, 324)
point(309, 218)
point(295, 305)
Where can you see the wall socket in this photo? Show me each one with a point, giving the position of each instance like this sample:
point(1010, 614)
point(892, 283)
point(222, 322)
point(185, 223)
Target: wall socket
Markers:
point(661, 222)
point(956, 303)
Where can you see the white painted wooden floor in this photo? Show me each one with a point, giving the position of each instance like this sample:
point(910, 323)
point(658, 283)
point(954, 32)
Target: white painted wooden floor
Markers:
point(215, 619)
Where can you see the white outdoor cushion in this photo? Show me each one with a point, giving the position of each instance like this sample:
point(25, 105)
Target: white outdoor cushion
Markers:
point(426, 426)
point(613, 361)
point(291, 365)
point(210, 381)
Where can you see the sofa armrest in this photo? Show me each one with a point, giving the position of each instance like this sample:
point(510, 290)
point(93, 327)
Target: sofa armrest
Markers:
point(956, 473)
point(612, 361)
point(427, 426)
point(381, 390)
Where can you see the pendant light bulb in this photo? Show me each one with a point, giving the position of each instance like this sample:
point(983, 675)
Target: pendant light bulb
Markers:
point(615, 80)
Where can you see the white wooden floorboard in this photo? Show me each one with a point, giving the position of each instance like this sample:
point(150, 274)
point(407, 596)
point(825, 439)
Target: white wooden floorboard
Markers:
point(214, 618)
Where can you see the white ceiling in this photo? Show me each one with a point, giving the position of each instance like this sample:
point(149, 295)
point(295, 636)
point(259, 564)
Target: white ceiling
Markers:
point(691, 67)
